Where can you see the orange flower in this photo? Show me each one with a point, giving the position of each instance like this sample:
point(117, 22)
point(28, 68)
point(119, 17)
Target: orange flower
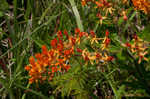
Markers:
point(86, 58)
point(107, 58)
point(92, 33)
point(67, 67)
point(125, 18)
point(98, 55)
point(81, 34)
point(59, 34)
point(143, 5)
point(124, 1)
point(31, 60)
point(27, 68)
point(101, 18)
point(79, 50)
point(38, 56)
point(106, 42)
point(106, 3)
point(83, 2)
point(99, 4)
point(102, 4)
point(60, 47)
point(107, 33)
point(73, 41)
point(138, 48)
point(31, 80)
point(54, 42)
point(54, 69)
point(44, 50)
point(128, 45)
point(68, 52)
point(66, 33)
point(110, 58)
point(77, 31)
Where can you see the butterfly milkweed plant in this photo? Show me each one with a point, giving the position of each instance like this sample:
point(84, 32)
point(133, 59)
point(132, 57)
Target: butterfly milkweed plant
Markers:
point(74, 49)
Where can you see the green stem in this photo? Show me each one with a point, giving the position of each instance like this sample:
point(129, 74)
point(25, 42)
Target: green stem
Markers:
point(4, 83)
point(141, 76)
point(112, 83)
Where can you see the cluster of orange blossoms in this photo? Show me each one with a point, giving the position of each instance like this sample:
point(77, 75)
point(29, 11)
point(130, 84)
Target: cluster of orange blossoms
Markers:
point(101, 5)
point(143, 5)
point(84, 2)
point(98, 56)
point(43, 66)
point(138, 48)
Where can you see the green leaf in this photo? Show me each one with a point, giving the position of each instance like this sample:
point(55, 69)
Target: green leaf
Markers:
point(121, 91)
point(120, 56)
point(120, 21)
point(145, 35)
point(114, 48)
point(39, 42)
point(77, 15)
point(32, 91)
point(1, 33)
point(1, 14)
point(3, 5)
point(52, 97)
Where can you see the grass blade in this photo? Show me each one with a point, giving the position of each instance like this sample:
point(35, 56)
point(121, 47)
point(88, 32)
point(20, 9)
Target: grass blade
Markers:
point(77, 15)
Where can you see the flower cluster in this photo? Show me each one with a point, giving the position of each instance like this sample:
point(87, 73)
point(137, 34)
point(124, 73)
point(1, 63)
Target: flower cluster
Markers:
point(101, 55)
point(138, 48)
point(43, 66)
point(99, 3)
point(84, 2)
point(143, 5)
point(103, 5)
